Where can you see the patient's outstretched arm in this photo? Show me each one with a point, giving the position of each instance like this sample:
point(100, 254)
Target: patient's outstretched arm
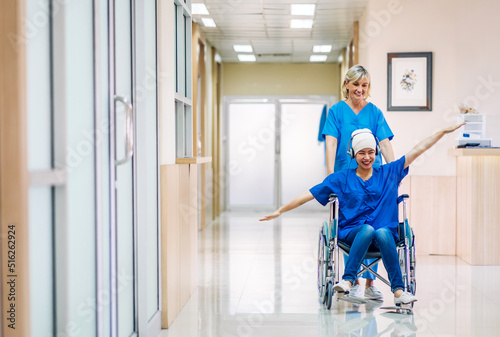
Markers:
point(427, 143)
point(298, 201)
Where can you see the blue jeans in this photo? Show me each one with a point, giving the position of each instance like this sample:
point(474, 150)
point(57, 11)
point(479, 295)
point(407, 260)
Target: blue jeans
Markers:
point(360, 239)
point(366, 275)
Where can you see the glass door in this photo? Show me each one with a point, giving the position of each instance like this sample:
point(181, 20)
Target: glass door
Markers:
point(302, 155)
point(133, 159)
point(122, 233)
point(273, 150)
point(251, 136)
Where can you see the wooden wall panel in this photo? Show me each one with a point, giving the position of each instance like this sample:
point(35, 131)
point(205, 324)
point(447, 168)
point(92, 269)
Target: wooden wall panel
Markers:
point(179, 237)
point(183, 226)
point(170, 250)
point(13, 172)
point(433, 214)
point(478, 222)
point(487, 238)
point(464, 209)
point(193, 226)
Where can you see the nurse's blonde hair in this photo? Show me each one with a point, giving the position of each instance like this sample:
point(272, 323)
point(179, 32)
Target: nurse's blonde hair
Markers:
point(355, 73)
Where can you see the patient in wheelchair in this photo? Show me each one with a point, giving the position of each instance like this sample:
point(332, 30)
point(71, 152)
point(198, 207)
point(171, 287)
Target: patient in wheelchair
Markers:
point(368, 206)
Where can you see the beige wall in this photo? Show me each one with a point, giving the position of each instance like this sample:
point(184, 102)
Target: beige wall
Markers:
point(478, 52)
point(460, 36)
point(280, 79)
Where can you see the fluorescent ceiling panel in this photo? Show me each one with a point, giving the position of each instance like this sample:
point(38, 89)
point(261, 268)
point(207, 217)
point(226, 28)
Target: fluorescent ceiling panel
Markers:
point(303, 9)
point(318, 58)
point(326, 48)
point(242, 48)
point(246, 58)
point(208, 22)
point(199, 9)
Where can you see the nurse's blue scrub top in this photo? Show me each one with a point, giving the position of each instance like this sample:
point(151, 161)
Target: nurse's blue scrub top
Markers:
point(372, 202)
point(342, 121)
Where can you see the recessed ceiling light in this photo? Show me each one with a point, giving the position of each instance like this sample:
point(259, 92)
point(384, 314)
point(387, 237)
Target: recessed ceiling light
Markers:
point(306, 9)
point(301, 23)
point(246, 58)
point(242, 48)
point(199, 9)
point(318, 58)
point(208, 22)
point(326, 48)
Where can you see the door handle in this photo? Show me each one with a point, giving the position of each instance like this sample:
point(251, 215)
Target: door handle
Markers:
point(129, 130)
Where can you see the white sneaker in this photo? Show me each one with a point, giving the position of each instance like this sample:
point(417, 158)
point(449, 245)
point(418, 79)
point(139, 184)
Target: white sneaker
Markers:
point(342, 287)
point(373, 293)
point(355, 291)
point(405, 298)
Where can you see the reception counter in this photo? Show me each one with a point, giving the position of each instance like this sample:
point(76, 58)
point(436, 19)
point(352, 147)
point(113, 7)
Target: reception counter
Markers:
point(478, 205)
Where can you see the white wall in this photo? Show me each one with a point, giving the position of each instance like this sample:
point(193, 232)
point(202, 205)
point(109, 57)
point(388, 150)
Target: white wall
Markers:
point(462, 36)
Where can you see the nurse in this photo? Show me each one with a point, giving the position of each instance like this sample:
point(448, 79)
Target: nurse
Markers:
point(368, 212)
point(354, 112)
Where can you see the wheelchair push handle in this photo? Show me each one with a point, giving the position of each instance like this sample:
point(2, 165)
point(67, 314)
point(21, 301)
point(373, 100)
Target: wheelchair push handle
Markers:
point(403, 197)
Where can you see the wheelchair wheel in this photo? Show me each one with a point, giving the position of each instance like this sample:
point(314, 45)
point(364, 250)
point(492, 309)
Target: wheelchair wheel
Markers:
point(329, 296)
point(413, 271)
point(322, 265)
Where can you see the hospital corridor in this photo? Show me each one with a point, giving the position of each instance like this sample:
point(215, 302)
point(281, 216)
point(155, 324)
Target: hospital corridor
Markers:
point(249, 168)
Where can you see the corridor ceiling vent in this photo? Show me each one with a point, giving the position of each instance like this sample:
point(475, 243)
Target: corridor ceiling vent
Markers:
point(274, 55)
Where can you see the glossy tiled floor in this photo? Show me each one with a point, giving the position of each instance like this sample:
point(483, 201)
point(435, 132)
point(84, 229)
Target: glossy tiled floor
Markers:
point(259, 279)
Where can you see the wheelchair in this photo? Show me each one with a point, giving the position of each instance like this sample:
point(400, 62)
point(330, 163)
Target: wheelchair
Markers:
point(329, 248)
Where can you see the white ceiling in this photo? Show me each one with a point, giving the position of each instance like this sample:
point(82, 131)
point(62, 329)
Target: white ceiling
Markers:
point(265, 25)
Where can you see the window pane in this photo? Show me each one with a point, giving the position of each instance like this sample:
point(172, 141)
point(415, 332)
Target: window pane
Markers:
point(38, 90)
point(179, 122)
point(41, 257)
point(188, 131)
point(176, 46)
point(186, 58)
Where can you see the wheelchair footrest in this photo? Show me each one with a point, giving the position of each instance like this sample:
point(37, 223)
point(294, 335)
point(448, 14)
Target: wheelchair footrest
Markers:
point(400, 309)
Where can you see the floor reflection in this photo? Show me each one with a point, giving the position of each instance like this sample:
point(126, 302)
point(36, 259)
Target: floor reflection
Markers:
point(259, 279)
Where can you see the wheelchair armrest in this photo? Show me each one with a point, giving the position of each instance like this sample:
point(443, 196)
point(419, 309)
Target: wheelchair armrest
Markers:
point(402, 197)
point(333, 202)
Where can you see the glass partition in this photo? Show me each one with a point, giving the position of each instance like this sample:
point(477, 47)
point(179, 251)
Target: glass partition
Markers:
point(251, 154)
point(302, 155)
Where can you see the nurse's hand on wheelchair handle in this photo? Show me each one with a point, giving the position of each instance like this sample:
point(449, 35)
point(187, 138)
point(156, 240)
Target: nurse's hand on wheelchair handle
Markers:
point(271, 216)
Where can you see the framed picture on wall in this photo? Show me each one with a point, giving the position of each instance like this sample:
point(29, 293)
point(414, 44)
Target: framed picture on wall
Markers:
point(409, 81)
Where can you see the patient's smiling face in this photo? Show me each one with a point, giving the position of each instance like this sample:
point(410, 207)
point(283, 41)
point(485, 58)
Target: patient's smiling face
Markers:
point(365, 158)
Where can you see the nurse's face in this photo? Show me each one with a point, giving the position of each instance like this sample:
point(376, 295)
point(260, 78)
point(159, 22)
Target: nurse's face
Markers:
point(365, 158)
point(357, 89)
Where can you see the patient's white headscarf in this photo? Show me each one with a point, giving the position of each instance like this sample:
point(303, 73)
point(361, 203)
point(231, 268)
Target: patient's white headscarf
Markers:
point(362, 139)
